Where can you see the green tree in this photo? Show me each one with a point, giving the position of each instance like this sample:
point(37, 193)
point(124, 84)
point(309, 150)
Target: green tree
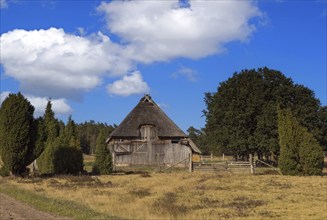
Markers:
point(62, 153)
point(40, 135)
point(322, 127)
point(45, 161)
point(103, 161)
point(17, 134)
point(241, 117)
point(70, 137)
point(88, 133)
point(300, 152)
point(198, 137)
point(68, 158)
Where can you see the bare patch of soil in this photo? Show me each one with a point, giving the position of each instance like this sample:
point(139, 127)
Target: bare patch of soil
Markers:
point(13, 209)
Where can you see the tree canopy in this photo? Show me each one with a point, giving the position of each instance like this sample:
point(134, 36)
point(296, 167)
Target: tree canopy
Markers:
point(241, 116)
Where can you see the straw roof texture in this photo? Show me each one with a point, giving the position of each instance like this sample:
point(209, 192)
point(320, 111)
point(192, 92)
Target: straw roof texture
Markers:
point(147, 112)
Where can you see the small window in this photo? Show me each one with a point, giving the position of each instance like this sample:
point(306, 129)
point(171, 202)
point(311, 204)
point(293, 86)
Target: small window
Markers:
point(175, 141)
point(148, 132)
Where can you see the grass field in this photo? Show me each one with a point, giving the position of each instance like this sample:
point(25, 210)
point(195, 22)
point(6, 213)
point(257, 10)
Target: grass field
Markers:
point(183, 195)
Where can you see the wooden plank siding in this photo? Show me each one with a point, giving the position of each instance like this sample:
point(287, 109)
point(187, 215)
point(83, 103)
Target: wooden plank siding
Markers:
point(148, 152)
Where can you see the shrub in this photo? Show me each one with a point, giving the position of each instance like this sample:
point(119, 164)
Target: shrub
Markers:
point(103, 161)
point(300, 152)
point(68, 160)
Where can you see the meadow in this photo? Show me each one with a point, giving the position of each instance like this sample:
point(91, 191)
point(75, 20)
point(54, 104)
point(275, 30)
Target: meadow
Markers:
point(179, 195)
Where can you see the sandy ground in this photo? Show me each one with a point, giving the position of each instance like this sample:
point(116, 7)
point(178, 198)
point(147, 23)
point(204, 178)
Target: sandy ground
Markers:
point(13, 209)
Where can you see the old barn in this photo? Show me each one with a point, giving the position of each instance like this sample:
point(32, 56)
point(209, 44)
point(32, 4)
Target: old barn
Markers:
point(147, 136)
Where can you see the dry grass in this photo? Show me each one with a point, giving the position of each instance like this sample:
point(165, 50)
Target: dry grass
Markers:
point(189, 195)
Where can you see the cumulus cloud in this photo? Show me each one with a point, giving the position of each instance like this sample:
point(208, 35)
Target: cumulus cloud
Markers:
point(189, 73)
point(54, 63)
point(59, 106)
point(162, 30)
point(128, 85)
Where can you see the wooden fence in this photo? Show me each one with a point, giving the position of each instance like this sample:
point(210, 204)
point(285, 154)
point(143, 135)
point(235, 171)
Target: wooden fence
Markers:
point(208, 164)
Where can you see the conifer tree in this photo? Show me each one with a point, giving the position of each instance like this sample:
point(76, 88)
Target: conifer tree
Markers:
point(45, 162)
point(289, 158)
point(68, 158)
point(103, 161)
point(62, 154)
point(17, 134)
point(300, 152)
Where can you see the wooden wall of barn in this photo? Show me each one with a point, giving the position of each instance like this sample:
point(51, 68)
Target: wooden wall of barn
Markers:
point(147, 153)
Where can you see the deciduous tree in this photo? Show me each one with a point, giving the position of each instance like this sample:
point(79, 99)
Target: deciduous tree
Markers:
point(241, 117)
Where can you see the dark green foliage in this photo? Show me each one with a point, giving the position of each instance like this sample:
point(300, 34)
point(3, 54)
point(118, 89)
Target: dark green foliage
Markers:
point(103, 161)
point(40, 135)
point(241, 117)
point(68, 160)
point(288, 139)
point(300, 152)
point(88, 133)
point(45, 161)
point(17, 133)
point(322, 127)
point(51, 123)
point(62, 154)
point(197, 136)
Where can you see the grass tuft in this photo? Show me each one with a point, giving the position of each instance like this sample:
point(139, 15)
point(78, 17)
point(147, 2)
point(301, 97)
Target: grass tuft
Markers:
point(167, 205)
point(140, 193)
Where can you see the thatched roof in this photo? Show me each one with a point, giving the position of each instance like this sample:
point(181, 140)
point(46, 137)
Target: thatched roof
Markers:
point(147, 112)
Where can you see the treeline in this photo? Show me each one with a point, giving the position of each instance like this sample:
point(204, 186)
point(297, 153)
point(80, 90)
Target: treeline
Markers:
point(88, 133)
point(242, 115)
point(53, 146)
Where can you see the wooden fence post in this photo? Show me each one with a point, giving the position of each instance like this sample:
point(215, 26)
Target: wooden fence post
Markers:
point(223, 157)
point(252, 164)
point(158, 162)
point(190, 162)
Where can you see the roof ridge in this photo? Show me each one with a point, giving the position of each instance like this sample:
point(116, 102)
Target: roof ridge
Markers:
point(147, 112)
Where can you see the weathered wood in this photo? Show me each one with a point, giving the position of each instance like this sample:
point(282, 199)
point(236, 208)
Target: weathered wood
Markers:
point(168, 168)
point(190, 163)
point(114, 160)
point(140, 153)
point(251, 164)
point(158, 162)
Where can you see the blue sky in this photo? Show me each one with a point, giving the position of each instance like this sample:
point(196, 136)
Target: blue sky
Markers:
point(96, 59)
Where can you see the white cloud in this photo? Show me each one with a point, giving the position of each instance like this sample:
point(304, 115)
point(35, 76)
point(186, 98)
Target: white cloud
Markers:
point(53, 63)
point(161, 30)
point(56, 64)
point(3, 4)
point(3, 96)
point(189, 73)
point(59, 106)
point(129, 85)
